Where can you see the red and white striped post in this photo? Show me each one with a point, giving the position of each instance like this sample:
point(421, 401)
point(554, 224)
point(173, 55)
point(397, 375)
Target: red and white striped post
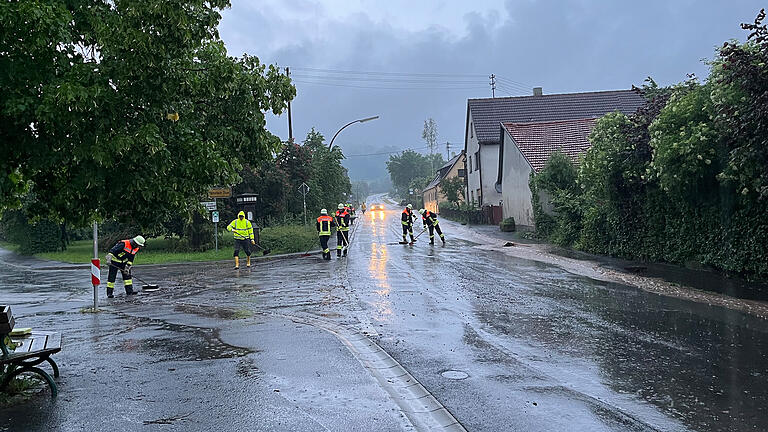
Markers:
point(95, 267)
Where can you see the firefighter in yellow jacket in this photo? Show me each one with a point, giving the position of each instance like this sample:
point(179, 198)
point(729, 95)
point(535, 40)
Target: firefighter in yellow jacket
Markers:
point(242, 230)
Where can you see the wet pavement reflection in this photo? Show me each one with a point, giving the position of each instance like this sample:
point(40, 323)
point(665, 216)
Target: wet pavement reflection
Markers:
point(503, 343)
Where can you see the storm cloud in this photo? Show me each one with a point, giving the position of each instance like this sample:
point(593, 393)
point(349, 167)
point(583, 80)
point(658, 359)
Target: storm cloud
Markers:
point(427, 58)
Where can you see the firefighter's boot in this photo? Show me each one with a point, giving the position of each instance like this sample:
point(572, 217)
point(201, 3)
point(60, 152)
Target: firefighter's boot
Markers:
point(344, 252)
point(442, 238)
point(248, 261)
point(237, 263)
point(338, 253)
point(110, 293)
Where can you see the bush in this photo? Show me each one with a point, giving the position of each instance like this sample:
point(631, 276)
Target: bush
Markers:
point(507, 225)
point(682, 180)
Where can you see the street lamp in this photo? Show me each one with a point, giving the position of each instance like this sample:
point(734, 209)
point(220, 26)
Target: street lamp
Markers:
point(352, 122)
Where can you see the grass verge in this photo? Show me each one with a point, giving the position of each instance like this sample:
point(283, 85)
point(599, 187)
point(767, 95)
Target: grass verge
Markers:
point(280, 239)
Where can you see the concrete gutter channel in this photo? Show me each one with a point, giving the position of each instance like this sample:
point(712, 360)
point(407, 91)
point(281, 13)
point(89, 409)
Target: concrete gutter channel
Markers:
point(421, 408)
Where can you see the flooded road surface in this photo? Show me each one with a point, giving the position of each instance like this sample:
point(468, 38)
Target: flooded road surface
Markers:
point(492, 342)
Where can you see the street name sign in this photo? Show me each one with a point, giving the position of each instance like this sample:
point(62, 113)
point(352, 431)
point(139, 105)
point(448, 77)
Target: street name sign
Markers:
point(219, 193)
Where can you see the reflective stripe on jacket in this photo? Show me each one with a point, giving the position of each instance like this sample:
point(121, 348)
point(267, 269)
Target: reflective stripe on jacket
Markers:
point(241, 229)
point(324, 224)
point(431, 217)
point(406, 219)
point(342, 220)
point(122, 251)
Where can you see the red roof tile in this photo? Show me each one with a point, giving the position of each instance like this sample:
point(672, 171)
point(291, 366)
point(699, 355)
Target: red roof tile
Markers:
point(538, 141)
point(487, 113)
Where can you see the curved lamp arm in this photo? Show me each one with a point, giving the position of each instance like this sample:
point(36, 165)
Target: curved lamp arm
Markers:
point(348, 124)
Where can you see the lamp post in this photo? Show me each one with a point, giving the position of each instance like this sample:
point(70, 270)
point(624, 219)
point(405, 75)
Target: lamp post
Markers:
point(348, 124)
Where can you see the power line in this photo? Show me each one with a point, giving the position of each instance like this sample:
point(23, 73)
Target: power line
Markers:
point(392, 152)
point(338, 71)
point(386, 79)
point(386, 153)
point(340, 84)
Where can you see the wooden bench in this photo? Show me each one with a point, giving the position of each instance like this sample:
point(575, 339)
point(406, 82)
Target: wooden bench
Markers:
point(26, 352)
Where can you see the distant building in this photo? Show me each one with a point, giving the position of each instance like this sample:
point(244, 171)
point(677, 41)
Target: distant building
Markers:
point(483, 138)
point(432, 194)
point(526, 148)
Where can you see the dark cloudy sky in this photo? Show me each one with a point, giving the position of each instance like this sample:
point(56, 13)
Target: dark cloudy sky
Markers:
point(407, 60)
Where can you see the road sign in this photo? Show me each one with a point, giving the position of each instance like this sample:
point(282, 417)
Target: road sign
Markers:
point(95, 272)
point(304, 188)
point(209, 205)
point(215, 216)
point(219, 193)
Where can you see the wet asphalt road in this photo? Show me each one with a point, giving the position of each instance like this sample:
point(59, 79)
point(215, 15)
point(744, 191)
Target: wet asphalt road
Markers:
point(535, 348)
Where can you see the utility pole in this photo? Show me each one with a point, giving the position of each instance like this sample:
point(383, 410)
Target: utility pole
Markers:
point(448, 150)
point(493, 91)
point(290, 124)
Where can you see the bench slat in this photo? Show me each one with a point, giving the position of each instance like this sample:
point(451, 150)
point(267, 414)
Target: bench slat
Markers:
point(38, 343)
point(26, 355)
point(23, 344)
point(54, 341)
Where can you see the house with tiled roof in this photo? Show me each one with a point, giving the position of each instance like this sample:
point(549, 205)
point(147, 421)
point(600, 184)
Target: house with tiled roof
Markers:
point(432, 193)
point(525, 148)
point(482, 136)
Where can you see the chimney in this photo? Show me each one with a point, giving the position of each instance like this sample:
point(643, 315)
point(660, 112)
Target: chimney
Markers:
point(537, 91)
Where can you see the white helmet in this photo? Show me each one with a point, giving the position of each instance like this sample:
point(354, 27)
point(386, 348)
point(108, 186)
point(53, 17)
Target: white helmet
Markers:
point(341, 206)
point(422, 211)
point(324, 212)
point(139, 240)
point(409, 206)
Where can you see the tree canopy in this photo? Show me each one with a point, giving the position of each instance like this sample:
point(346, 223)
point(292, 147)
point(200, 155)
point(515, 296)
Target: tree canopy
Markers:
point(410, 169)
point(277, 181)
point(126, 109)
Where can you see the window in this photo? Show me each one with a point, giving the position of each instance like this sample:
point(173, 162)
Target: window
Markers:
point(462, 172)
point(477, 160)
point(471, 131)
point(470, 164)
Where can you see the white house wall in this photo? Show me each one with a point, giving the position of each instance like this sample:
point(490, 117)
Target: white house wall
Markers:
point(489, 162)
point(516, 194)
point(473, 176)
point(489, 169)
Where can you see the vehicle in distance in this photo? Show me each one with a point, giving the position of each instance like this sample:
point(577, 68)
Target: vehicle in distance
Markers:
point(374, 207)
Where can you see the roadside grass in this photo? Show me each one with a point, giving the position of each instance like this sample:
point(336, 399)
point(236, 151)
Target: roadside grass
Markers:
point(280, 239)
point(19, 390)
point(9, 246)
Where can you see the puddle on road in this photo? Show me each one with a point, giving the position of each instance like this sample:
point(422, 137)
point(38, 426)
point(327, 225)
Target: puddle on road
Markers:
point(214, 311)
point(179, 343)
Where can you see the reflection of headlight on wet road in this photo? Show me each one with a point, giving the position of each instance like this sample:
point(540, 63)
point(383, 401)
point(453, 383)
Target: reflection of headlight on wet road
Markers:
point(381, 215)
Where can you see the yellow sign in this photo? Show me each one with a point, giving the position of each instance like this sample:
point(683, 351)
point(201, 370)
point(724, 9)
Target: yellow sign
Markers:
point(219, 193)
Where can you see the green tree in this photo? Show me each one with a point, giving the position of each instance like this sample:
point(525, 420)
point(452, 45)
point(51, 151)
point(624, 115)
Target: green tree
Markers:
point(453, 188)
point(429, 135)
point(409, 165)
point(329, 184)
point(125, 109)
point(741, 108)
